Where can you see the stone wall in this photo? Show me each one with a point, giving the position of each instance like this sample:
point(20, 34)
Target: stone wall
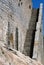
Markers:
point(38, 42)
point(30, 35)
point(18, 14)
point(17, 24)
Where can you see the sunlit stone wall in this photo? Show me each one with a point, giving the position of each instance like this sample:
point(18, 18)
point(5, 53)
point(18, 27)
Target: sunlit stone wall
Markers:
point(18, 14)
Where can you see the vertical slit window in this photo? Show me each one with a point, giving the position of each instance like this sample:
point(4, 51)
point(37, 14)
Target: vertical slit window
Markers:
point(8, 33)
point(17, 38)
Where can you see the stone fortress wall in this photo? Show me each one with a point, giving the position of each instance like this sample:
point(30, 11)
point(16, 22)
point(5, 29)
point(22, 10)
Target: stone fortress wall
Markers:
point(15, 15)
point(18, 25)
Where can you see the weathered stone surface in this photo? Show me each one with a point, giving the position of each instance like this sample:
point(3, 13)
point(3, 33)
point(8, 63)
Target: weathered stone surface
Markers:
point(29, 40)
point(38, 42)
point(18, 13)
point(13, 57)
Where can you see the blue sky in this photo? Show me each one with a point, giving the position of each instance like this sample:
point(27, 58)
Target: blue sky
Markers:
point(36, 4)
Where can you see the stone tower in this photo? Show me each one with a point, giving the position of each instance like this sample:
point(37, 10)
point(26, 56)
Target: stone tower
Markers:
point(38, 42)
point(18, 25)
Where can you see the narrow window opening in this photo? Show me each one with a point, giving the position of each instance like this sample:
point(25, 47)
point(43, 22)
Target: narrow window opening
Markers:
point(8, 33)
point(40, 29)
point(29, 6)
point(19, 4)
point(17, 38)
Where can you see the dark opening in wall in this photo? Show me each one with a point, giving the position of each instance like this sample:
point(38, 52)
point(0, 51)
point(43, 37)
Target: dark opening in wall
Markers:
point(21, 3)
point(19, 0)
point(29, 6)
point(17, 38)
point(8, 33)
point(40, 29)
